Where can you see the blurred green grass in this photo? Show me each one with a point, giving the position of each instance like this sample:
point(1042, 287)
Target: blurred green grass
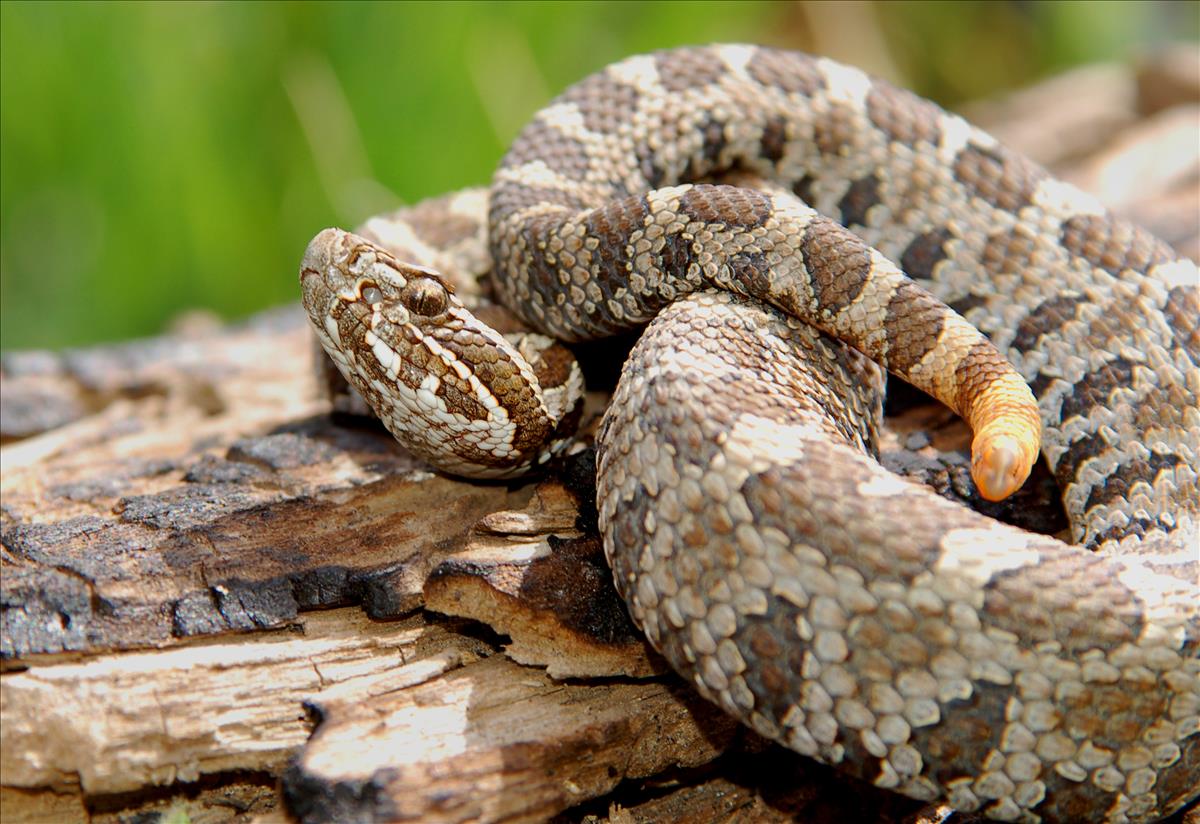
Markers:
point(159, 157)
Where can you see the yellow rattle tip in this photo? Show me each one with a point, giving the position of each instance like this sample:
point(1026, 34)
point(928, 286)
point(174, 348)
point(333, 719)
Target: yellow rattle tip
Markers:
point(999, 465)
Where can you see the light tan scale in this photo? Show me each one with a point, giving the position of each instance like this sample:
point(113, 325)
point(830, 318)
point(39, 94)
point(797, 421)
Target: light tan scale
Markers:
point(845, 612)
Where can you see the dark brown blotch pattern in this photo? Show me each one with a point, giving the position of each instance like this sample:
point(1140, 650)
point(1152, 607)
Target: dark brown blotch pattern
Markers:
point(981, 365)
point(1113, 246)
point(913, 323)
point(751, 270)
point(455, 394)
point(925, 252)
point(858, 200)
point(803, 189)
point(838, 264)
point(714, 143)
point(1048, 317)
point(438, 227)
point(967, 302)
point(979, 721)
point(1078, 597)
point(682, 69)
point(553, 366)
point(1010, 251)
point(1182, 311)
point(515, 197)
point(1095, 388)
point(998, 176)
point(677, 254)
point(649, 167)
point(902, 116)
point(612, 225)
point(708, 159)
point(503, 379)
point(727, 205)
point(604, 102)
point(837, 130)
point(1138, 525)
point(792, 73)
point(560, 152)
point(774, 139)
point(1118, 485)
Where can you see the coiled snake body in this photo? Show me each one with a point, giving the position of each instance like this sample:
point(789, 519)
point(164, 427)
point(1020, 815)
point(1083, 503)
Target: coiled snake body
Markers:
point(850, 615)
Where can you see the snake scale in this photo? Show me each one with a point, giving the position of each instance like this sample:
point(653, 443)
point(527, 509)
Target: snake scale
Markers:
point(853, 616)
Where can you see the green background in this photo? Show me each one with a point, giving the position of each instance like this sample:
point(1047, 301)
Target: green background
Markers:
point(163, 157)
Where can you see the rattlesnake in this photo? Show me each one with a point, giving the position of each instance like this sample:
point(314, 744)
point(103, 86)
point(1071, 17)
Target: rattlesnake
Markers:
point(850, 615)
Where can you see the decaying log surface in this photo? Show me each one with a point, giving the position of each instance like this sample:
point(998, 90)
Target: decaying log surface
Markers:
point(220, 605)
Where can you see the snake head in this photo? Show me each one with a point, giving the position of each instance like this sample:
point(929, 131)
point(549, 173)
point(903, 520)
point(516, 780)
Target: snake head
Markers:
point(449, 388)
point(344, 273)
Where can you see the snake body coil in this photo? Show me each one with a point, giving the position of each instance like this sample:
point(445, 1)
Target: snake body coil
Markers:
point(846, 613)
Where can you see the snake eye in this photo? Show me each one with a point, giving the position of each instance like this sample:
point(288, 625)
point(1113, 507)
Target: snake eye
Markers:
point(425, 297)
point(369, 292)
